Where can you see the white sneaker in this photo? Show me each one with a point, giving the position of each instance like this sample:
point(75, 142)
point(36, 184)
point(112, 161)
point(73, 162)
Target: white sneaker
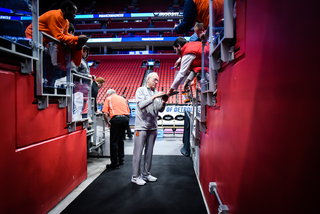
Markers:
point(138, 181)
point(149, 178)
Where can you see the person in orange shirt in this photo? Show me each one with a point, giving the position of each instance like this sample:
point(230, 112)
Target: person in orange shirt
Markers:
point(198, 10)
point(56, 24)
point(118, 110)
point(71, 31)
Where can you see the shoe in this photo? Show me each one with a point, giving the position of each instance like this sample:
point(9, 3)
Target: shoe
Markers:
point(130, 138)
point(149, 178)
point(113, 166)
point(138, 181)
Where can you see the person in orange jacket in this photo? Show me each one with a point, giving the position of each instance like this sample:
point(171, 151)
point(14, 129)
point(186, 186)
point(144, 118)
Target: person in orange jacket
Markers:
point(56, 24)
point(198, 10)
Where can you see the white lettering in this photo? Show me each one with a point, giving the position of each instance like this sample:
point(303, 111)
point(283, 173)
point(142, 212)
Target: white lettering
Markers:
point(152, 39)
point(5, 17)
point(110, 15)
point(169, 14)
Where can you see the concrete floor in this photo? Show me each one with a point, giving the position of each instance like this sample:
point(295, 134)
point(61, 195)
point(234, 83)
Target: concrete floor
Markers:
point(168, 145)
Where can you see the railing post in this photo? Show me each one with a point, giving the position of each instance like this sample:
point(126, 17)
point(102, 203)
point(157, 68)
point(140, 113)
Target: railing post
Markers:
point(223, 209)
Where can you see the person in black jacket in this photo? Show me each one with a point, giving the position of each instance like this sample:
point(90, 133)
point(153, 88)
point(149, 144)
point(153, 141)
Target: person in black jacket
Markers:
point(96, 85)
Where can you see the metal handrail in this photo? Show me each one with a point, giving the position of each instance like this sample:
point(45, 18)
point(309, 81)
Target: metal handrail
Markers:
point(222, 209)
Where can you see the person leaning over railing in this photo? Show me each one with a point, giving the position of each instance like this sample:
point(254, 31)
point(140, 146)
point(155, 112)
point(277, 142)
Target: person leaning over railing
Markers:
point(199, 31)
point(191, 59)
point(83, 68)
point(198, 10)
point(56, 24)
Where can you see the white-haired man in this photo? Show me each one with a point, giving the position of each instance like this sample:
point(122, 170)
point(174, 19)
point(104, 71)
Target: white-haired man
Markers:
point(118, 110)
point(149, 103)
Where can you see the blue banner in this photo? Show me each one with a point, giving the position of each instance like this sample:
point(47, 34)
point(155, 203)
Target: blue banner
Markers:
point(100, 16)
point(128, 15)
point(135, 39)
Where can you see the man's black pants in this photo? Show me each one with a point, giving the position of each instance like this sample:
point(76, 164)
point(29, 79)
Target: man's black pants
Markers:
point(117, 130)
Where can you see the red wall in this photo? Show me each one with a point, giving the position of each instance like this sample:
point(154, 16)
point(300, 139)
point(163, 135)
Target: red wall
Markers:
point(262, 144)
point(40, 161)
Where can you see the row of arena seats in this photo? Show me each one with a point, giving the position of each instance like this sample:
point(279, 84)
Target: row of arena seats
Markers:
point(102, 35)
point(88, 26)
point(122, 75)
point(129, 6)
point(117, 25)
point(166, 77)
point(161, 24)
point(120, 6)
point(150, 6)
point(126, 75)
point(104, 6)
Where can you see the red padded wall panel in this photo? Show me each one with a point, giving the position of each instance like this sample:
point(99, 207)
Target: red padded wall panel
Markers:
point(8, 103)
point(262, 144)
point(37, 177)
point(33, 179)
point(34, 125)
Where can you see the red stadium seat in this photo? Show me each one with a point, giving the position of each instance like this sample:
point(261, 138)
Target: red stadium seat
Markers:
point(126, 75)
point(88, 26)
